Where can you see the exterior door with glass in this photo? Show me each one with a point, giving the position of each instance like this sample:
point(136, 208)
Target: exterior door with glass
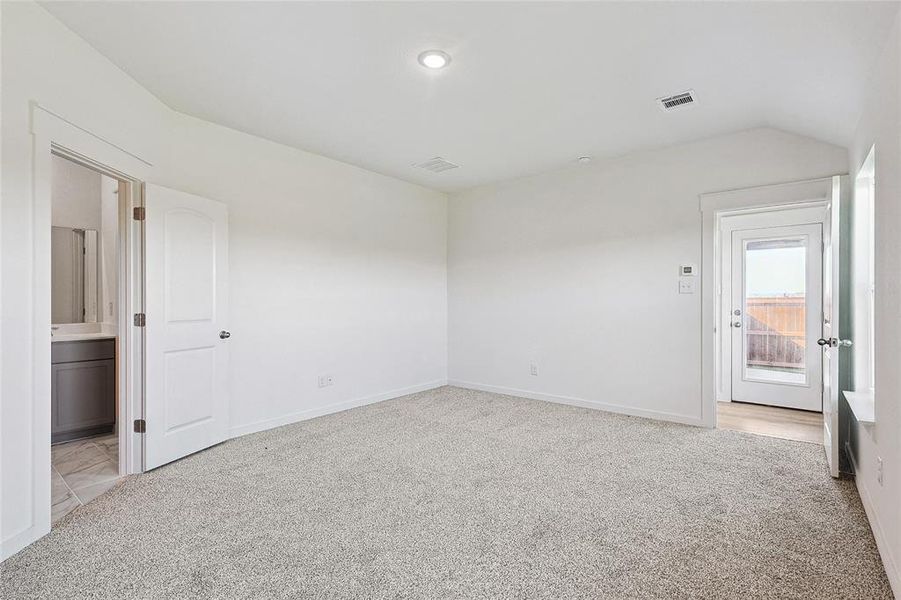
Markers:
point(776, 314)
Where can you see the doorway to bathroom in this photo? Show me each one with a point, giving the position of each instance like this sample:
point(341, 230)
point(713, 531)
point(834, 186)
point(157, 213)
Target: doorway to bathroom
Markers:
point(88, 220)
point(168, 328)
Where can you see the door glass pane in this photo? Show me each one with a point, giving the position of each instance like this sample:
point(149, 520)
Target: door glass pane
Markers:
point(776, 310)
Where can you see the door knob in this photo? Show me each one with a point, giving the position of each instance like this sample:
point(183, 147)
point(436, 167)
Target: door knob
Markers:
point(224, 335)
point(835, 343)
point(737, 324)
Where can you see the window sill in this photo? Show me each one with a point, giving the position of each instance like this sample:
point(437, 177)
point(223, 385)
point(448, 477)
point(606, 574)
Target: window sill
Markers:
point(863, 405)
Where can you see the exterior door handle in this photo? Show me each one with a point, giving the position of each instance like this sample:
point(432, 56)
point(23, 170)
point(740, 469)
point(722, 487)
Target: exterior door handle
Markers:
point(737, 324)
point(224, 335)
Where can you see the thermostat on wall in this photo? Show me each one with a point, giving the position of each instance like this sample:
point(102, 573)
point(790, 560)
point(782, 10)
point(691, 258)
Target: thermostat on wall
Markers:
point(687, 270)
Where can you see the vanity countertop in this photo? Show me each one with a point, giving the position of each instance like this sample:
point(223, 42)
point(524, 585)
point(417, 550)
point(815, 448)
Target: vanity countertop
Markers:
point(75, 337)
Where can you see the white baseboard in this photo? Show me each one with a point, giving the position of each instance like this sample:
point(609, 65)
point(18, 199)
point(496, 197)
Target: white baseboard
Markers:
point(328, 409)
point(568, 400)
point(19, 541)
point(882, 544)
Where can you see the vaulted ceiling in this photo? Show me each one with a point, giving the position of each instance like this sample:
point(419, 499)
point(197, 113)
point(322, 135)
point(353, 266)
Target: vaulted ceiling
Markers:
point(531, 86)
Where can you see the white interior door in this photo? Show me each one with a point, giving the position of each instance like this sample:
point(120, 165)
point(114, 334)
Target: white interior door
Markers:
point(186, 403)
point(775, 313)
point(830, 342)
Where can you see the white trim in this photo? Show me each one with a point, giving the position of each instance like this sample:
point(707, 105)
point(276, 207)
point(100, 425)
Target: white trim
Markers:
point(54, 134)
point(882, 542)
point(131, 301)
point(328, 409)
point(862, 405)
point(581, 402)
point(712, 206)
point(778, 194)
point(20, 540)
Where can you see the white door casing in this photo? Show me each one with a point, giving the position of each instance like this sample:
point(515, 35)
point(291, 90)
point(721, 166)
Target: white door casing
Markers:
point(186, 402)
point(799, 389)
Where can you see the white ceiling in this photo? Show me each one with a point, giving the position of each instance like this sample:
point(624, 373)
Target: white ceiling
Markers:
point(531, 86)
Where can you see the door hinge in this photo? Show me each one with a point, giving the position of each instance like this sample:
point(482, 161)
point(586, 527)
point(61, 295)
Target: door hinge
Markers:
point(140, 426)
point(140, 319)
point(139, 213)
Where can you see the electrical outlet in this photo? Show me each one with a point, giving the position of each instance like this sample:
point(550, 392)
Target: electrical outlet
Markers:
point(533, 369)
point(879, 469)
point(686, 285)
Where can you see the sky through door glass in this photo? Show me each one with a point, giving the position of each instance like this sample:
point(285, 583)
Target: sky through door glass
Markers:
point(776, 309)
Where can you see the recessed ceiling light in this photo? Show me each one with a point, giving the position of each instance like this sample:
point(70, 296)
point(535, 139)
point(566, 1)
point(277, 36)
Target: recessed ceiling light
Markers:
point(584, 159)
point(434, 59)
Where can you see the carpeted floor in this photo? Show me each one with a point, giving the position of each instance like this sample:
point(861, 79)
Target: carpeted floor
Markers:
point(461, 494)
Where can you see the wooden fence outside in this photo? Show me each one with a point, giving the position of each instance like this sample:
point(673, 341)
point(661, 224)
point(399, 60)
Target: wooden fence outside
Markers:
point(776, 331)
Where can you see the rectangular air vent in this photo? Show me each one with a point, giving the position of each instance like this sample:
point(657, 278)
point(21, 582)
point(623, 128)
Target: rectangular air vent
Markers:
point(436, 165)
point(670, 103)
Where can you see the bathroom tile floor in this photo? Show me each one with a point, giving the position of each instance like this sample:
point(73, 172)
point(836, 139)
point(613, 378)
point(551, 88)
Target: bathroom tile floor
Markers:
point(81, 471)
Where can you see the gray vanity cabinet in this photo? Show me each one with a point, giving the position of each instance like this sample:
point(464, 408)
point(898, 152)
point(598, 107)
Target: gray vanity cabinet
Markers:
point(83, 388)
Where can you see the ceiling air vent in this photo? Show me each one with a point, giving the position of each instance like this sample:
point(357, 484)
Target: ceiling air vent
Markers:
point(671, 103)
point(436, 165)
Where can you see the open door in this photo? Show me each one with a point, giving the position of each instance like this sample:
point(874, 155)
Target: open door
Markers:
point(186, 403)
point(831, 342)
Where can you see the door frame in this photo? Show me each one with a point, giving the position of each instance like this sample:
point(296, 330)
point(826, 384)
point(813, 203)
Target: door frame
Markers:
point(714, 206)
point(813, 213)
point(53, 134)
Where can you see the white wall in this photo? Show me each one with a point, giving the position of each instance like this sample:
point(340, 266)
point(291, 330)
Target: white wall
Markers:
point(333, 269)
point(880, 124)
point(75, 197)
point(577, 271)
point(109, 250)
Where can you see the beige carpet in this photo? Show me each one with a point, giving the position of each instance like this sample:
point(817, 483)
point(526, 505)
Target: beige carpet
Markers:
point(460, 494)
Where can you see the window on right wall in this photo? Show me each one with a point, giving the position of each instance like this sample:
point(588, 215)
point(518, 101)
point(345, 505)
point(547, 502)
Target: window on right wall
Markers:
point(864, 276)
